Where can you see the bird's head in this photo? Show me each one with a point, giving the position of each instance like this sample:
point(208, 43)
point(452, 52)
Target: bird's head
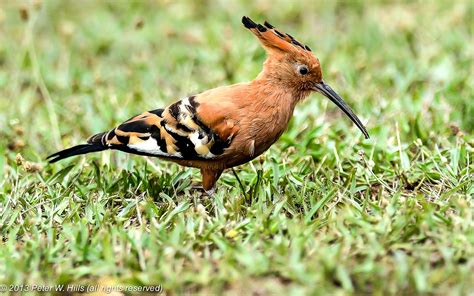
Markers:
point(292, 65)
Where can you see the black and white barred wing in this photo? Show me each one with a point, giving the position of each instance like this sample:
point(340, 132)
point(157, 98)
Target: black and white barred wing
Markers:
point(174, 132)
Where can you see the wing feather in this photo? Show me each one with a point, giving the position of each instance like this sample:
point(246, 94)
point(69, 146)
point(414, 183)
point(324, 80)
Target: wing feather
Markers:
point(174, 132)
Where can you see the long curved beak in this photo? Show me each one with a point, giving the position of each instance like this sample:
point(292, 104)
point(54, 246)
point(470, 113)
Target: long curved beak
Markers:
point(328, 92)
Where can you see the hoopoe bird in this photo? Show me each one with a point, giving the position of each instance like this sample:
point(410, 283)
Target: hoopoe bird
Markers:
point(226, 126)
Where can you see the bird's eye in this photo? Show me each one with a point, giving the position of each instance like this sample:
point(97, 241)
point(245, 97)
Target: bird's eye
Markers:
point(303, 70)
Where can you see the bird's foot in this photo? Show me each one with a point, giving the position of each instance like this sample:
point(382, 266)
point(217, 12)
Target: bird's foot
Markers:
point(209, 193)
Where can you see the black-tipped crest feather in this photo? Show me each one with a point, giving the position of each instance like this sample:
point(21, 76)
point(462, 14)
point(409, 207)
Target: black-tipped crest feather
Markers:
point(268, 25)
point(248, 23)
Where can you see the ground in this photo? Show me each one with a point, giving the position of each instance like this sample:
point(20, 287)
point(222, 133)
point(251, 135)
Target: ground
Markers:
point(323, 211)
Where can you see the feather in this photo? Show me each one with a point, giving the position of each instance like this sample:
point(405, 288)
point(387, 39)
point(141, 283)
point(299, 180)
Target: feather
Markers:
point(175, 132)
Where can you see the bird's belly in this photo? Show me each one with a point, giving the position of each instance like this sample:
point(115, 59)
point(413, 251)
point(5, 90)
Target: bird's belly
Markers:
point(248, 147)
point(264, 144)
point(266, 131)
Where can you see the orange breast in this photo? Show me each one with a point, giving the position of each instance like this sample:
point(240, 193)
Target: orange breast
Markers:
point(255, 114)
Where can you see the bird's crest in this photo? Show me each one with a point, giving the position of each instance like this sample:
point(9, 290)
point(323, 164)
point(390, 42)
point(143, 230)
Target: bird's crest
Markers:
point(272, 40)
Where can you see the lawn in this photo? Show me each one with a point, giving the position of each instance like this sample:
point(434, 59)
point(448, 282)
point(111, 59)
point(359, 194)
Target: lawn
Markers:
point(322, 212)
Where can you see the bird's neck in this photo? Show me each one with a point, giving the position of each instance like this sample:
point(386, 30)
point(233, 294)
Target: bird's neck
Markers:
point(274, 103)
point(272, 90)
point(268, 108)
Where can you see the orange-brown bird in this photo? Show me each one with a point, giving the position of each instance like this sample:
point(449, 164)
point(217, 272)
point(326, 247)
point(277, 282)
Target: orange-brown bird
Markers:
point(226, 126)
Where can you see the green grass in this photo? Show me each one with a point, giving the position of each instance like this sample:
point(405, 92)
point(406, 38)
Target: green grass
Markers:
point(324, 211)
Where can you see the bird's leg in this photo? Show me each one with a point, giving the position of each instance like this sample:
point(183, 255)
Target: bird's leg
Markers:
point(209, 179)
point(210, 192)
